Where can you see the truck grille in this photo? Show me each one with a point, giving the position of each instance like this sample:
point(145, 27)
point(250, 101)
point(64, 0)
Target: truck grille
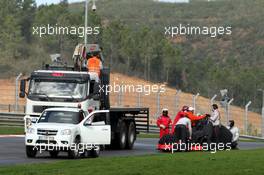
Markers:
point(40, 109)
point(46, 142)
point(47, 132)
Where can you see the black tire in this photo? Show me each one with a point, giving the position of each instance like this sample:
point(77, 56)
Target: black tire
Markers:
point(131, 135)
point(168, 139)
point(31, 152)
point(122, 136)
point(94, 153)
point(234, 145)
point(74, 153)
point(225, 136)
point(54, 154)
point(84, 154)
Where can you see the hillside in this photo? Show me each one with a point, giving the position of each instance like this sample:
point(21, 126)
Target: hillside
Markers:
point(167, 100)
point(200, 63)
point(133, 38)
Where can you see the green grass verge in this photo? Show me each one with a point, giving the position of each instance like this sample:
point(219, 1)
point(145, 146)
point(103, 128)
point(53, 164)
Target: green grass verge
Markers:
point(248, 162)
point(11, 130)
point(250, 140)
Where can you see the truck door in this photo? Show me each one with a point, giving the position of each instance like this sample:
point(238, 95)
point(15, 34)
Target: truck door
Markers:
point(96, 129)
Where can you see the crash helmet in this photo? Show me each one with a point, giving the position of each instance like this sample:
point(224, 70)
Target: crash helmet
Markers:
point(185, 108)
point(191, 109)
point(165, 111)
point(231, 123)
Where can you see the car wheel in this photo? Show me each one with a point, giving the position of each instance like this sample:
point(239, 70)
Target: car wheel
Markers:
point(31, 151)
point(95, 152)
point(73, 153)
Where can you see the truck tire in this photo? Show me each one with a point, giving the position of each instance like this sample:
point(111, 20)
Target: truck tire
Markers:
point(74, 154)
point(122, 136)
point(31, 152)
point(131, 135)
point(54, 154)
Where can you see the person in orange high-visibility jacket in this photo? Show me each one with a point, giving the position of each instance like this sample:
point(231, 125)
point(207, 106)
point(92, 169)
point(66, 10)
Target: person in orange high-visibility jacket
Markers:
point(192, 117)
point(94, 64)
point(179, 115)
point(164, 122)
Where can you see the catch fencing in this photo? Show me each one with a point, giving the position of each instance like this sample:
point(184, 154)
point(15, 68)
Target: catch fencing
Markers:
point(250, 123)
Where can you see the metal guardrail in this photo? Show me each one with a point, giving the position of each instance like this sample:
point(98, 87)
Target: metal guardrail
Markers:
point(17, 119)
point(251, 137)
point(12, 119)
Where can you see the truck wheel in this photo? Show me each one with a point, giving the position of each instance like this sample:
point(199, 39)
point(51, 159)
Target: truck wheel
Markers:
point(54, 154)
point(74, 153)
point(31, 152)
point(122, 137)
point(131, 135)
point(94, 153)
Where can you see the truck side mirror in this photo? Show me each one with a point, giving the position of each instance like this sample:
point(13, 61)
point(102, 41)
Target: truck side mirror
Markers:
point(22, 88)
point(22, 94)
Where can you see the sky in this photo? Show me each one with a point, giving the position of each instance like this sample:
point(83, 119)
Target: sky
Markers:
point(39, 2)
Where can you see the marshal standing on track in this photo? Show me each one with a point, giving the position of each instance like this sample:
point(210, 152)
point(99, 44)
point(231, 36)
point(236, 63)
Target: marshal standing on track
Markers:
point(164, 122)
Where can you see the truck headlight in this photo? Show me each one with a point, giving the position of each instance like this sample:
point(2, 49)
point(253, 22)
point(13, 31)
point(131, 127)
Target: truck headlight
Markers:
point(66, 132)
point(28, 122)
point(30, 131)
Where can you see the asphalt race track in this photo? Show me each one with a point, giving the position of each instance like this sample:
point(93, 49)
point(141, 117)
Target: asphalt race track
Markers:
point(12, 150)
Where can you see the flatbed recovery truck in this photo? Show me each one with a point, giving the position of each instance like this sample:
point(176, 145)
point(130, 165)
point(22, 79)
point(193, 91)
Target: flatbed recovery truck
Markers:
point(63, 86)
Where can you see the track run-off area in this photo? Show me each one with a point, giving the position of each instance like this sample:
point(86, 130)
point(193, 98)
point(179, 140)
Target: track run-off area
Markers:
point(12, 150)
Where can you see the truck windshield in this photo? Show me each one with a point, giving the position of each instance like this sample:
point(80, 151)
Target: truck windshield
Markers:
point(61, 117)
point(58, 89)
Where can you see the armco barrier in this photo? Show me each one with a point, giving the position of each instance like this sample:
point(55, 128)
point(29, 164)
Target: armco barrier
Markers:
point(17, 119)
point(12, 119)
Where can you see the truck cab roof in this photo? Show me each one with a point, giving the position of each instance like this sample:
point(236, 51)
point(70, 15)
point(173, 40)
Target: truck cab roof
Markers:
point(65, 74)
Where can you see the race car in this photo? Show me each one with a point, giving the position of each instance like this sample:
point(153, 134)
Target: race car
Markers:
point(201, 134)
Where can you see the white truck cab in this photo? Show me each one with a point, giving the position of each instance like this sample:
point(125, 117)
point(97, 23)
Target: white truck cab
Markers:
point(59, 88)
point(69, 129)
